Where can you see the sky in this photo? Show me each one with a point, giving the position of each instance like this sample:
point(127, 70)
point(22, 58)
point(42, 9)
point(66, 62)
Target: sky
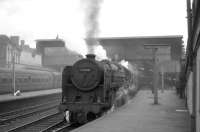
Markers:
point(45, 19)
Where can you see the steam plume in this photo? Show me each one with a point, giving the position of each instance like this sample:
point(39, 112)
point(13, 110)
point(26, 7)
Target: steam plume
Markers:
point(91, 8)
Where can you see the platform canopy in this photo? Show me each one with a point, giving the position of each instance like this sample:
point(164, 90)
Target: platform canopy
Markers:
point(132, 48)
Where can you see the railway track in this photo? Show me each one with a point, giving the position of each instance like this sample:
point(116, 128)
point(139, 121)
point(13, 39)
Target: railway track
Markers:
point(24, 112)
point(39, 124)
point(56, 127)
point(49, 123)
point(61, 126)
point(14, 120)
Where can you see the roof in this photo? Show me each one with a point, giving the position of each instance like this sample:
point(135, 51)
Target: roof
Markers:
point(142, 37)
point(48, 40)
point(133, 47)
point(42, 43)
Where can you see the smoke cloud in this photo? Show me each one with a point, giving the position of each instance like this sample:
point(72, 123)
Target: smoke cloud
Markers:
point(91, 8)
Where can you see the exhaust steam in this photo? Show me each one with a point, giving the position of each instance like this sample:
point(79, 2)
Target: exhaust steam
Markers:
point(92, 9)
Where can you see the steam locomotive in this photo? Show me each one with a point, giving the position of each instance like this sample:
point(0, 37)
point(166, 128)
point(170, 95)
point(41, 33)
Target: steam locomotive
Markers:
point(90, 87)
point(29, 80)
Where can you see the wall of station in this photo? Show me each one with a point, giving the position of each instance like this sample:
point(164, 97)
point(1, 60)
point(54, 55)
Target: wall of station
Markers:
point(198, 91)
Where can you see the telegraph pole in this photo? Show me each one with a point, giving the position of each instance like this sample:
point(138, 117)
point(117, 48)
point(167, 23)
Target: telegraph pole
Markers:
point(13, 72)
point(162, 76)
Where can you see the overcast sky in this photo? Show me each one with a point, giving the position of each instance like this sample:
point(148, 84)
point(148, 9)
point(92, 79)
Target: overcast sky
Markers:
point(41, 19)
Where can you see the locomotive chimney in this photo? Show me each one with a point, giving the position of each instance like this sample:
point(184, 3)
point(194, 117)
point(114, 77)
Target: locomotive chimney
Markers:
point(91, 56)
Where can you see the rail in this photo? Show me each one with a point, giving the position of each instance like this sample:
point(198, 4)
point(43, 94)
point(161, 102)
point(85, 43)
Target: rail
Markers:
point(37, 123)
point(24, 112)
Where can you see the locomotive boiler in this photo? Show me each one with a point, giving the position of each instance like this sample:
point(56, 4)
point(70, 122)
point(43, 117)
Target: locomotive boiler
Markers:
point(89, 88)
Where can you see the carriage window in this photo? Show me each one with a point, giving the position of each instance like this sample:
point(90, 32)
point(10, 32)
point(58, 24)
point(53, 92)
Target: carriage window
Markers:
point(7, 80)
point(4, 80)
point(33, 79)
point(36, 80)
point(17, 80)
point(20, 80)
point(26, 79)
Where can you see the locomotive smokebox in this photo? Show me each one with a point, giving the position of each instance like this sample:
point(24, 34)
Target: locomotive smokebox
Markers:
point(91, 56)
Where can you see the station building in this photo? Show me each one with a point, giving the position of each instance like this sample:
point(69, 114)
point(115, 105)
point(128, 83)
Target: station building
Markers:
point(23, 56)
point(9, 46)
point(49, 53)
point(55, 55)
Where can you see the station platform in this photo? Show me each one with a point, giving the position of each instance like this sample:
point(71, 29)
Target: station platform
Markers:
point(24, 95)
point(141, 115)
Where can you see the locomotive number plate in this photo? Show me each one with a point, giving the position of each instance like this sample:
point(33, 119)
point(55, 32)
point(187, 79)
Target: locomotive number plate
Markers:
point(85, 70)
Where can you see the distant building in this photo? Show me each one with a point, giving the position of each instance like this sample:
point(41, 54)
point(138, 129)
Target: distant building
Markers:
point(55, 55)
point(29, 56)
point(9, 46)
point(23, 55)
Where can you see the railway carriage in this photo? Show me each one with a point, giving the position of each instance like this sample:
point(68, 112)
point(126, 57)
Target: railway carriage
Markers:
point(28, 80)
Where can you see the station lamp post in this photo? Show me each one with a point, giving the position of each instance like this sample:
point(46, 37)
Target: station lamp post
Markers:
point(154, 48)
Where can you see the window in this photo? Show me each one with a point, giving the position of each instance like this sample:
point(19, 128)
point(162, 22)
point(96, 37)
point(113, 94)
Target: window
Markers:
point(4, 80)
point(26, 79)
